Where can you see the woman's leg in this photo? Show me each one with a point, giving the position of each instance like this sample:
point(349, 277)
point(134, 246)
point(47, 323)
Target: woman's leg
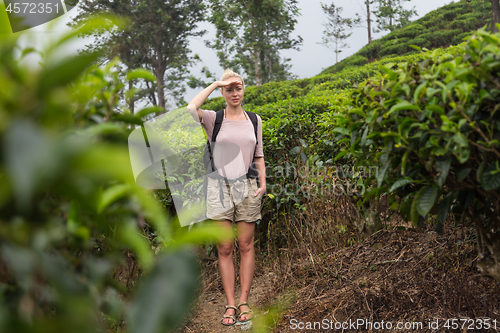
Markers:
point(247, 265)
point(226, 269)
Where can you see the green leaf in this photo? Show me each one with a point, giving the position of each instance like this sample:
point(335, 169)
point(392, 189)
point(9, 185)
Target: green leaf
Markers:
point(404, 162)
point(112, 194)
point(444, 207)
point(405, 209)
point(202, 234)
point(418, 48)
point(141, 73)
point(165, 294)
point(102, 128)
point(341, 154)
point(382, 170)
point(435, 108)
point(418, 92)
point(27, 51)
point(442, 167)
point(370, 194)
point(63, 72)
point(30, 159)
point(490, 178)
point(414, 216)
point(303, 156)
point(426, 200)
point(341, 130)
point(479, 171)
point(128, 233)
point(149, 110)
point(126, 118)
point(461, 140)
point(365, 134)
point(303, 143)
point(295, 150)
point(5, 28)
point(463, 173)
point(402, 105)
point(400, 183)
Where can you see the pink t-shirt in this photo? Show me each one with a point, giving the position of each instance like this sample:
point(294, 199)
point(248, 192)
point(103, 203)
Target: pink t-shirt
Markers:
point(240, 133)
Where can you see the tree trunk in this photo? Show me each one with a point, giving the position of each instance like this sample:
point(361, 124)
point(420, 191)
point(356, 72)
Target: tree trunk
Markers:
point(368, 21)
point(255, 54)
point(131, 100)
point(390, 17)
point(269, 60)
point(495, 8)
point(160, 87)
point(263, 65)
point(160, 71)
point(336, 51)
point(152, 96)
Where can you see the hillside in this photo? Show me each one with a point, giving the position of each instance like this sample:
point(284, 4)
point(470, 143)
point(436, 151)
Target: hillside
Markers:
point(442, 27)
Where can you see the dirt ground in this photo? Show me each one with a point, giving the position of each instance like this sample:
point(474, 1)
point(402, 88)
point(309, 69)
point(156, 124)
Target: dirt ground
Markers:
point(209, 309)
point(413, 278)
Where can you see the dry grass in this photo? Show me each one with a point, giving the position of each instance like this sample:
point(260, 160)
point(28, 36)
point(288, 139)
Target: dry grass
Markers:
point(338, 272)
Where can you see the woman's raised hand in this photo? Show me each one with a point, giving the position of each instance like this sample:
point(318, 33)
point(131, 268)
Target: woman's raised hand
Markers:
point(226, 83)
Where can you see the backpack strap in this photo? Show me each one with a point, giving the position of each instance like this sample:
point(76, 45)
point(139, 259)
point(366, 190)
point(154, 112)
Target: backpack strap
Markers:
point(219, 116)
point(253, 118)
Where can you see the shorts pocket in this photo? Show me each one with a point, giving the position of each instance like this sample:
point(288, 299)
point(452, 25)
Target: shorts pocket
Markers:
point(255, 200)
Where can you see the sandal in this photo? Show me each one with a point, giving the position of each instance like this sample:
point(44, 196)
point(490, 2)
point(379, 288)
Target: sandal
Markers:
point(233, 317)
point(244, 312)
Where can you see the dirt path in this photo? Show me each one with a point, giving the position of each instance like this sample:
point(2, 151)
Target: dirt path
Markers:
point(209, 309)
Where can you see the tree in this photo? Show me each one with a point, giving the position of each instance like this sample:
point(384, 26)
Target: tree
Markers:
point(495, 8)
point(226, 26)
point(367, 13)
point(368, 21)
point(392, 15)
point(336, 28)
point(157, 39)
point(251, 33)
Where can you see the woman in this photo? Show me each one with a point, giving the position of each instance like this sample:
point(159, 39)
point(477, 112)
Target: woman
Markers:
point(238, 129)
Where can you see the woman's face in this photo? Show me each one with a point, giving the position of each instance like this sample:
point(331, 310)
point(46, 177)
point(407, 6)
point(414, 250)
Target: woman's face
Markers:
point(233, 93)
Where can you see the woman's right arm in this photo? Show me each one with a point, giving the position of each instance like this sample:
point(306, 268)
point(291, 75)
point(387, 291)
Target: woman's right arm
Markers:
point(194, 106)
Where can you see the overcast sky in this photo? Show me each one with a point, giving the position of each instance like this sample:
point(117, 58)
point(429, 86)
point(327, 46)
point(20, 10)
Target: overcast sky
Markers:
point(309, 61)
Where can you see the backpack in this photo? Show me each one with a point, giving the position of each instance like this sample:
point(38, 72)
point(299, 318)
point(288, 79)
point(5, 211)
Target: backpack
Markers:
point(208, 159)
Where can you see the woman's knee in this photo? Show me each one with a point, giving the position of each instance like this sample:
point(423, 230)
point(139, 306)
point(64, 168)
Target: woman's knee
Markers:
point(245, 245)
point(225, 249)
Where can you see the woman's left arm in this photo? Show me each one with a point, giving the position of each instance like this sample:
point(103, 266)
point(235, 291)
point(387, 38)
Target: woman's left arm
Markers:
point(261, 172)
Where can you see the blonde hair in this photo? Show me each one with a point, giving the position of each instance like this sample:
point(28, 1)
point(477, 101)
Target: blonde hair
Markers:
point(229, 73)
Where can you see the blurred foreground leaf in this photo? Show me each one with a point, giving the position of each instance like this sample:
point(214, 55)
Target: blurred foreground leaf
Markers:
point(164, 296)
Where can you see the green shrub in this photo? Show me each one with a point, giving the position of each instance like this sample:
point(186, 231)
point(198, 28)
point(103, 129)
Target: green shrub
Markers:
point(355, 60)
point(71, 210)
point(433, 129)
point(460, 38)
point(391, 49)
point(419, 41)
point(410, 31)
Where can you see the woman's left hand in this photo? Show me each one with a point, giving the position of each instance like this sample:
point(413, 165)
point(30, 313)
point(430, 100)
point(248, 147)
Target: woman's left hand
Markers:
point(260, 190)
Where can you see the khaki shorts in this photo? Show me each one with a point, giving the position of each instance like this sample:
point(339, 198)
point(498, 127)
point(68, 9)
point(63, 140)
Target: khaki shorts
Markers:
point(239, 202)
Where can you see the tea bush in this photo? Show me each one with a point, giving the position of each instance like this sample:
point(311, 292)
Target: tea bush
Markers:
point(433, 129)
point(438, 28)
point(69, 206)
